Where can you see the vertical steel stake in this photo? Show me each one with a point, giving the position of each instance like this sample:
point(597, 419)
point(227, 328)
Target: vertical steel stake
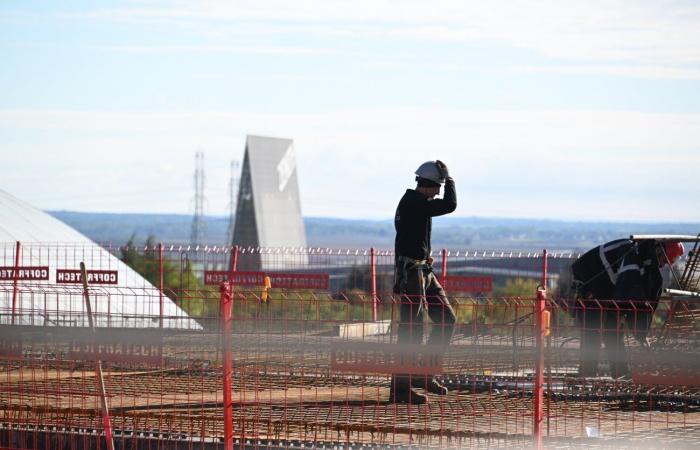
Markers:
point(538, 406)
point(227, 346)
point(15, 279)
point(160, 285)
point(234, 260)
point(443, 275)
point(106, 421)
point(373, 274)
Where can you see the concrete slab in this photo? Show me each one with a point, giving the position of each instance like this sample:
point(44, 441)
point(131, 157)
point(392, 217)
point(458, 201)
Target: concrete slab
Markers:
point(362, 329)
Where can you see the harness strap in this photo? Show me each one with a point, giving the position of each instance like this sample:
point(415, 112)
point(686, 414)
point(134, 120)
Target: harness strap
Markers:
point(608, 268)
point(415, 262)
point(407, 264)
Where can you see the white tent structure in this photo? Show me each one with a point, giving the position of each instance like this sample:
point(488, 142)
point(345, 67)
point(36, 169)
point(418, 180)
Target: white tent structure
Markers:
point(41, 287)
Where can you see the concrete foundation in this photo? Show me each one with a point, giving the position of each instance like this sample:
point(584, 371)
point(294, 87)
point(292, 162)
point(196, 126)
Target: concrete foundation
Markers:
point(362, 329)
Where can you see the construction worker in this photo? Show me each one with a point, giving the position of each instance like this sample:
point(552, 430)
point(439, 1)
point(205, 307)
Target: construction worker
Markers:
point(615, 282)
point(414, 277)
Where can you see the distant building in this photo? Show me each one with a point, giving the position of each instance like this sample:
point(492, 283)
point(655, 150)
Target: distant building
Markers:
point(268, 213)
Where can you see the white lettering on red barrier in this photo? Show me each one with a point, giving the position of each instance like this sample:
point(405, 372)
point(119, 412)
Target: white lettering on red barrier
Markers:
point(317, 281)
point(212, 277)
point(374, 357)
point(94, 276)
point(24, 273)
point(112, 346)
point(456, 283)
point(117, 352)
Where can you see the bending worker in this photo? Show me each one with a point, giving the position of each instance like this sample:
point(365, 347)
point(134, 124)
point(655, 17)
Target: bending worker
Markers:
point(615, 281)
point(414, 277)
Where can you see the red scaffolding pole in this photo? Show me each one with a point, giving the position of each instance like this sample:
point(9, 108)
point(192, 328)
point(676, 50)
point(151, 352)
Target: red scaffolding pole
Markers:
point(373, 274)
point(443, 274)
point(233, 262)
point(104, 406)
point(15, 275)
point(227, 353)
point(540, 331)
point(160, 283)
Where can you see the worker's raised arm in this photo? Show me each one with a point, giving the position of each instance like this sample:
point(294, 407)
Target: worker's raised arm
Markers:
point(445, 205)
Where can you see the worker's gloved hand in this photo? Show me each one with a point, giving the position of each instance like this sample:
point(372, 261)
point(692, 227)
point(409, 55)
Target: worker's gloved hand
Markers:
point(444, 172)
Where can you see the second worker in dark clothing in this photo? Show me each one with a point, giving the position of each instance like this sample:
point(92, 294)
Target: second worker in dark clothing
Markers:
point(615, 282)
point(414, 277)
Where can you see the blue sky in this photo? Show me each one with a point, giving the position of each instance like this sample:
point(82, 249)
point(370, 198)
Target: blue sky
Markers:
point(573, 110)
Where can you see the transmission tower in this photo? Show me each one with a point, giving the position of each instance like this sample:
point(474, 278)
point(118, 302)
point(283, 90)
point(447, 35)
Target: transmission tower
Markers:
point(199, 228)
point(233, 200)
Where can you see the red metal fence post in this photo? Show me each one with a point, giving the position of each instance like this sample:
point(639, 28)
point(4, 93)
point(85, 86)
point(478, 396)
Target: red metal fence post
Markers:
point(373, 274)
point(538, 398)
point(227, 354)
point(18, 248)
point(544, 268)
point(99, 378)
point(548, 334)
point(443, 275)
point(234, 260)
point(160, 286)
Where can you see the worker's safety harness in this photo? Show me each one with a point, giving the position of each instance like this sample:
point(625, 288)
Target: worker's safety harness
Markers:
point(404, 265)
point(579, 286)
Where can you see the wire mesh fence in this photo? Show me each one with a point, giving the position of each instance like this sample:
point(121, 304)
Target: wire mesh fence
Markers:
point(282, 348)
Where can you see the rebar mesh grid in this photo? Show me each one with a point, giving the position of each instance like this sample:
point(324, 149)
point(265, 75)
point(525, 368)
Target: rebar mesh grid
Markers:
point(285, 391)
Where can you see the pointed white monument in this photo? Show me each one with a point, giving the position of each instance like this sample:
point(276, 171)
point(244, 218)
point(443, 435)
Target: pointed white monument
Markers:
point(269, 206)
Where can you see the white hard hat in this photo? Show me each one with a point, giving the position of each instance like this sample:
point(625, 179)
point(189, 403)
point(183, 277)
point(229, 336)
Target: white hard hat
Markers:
point(429, 171)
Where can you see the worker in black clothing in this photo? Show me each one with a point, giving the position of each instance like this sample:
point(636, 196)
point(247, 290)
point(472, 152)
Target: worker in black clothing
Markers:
point(615, 282)
point(414, 277)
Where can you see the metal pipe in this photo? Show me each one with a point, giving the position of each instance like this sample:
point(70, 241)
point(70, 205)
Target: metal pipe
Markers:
point(443, 275)
point(682, 293)
point(665, 237)
point(544, 268)
point(538, 406)
point(15, 279)
point(548, 343)
point(233, 262)
point(160, 286)
point(106, 421)
point(226, 290)
point(373, 274)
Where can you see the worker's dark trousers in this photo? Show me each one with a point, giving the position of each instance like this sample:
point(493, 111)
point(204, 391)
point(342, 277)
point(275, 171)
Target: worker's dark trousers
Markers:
point(602, 323)
point(411, 319)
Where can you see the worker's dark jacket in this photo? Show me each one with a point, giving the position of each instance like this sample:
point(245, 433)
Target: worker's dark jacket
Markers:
point(413, 220)
point(622, 270)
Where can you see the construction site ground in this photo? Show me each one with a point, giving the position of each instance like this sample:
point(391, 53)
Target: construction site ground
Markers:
point(284, 390)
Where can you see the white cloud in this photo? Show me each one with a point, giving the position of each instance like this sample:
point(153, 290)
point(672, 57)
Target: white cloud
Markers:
point(659, 72)
point(648, 33)
point(354, 162)
point(209, 49)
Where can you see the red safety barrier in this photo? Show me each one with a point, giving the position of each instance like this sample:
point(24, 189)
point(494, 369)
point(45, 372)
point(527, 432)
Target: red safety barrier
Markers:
point(227, 351)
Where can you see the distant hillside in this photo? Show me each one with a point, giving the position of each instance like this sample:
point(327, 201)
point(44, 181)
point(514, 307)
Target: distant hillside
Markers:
point(450, 232)
point(118, 228)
